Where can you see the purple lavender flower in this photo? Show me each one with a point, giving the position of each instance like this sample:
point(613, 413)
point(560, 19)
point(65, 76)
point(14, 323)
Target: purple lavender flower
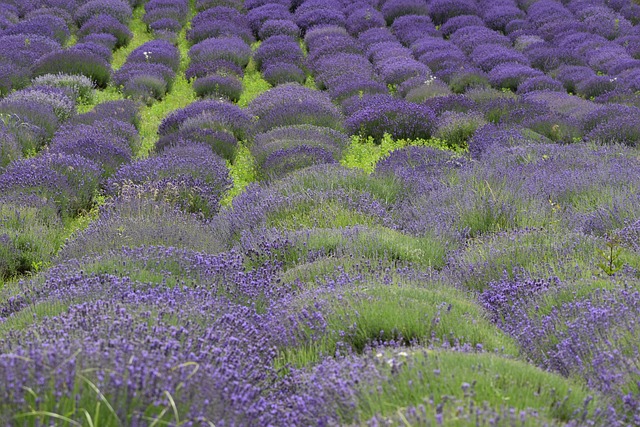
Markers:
point(278, 27)
point(69, 180)
point(364, 18)
point(51, 27)
point(157, 52)
point(117, 9)
point(455, 23)
point(220, 115)
point(218, 86)
point(107, 150)
point(23, 50)
point(191, 176)
point(259, 15)
point(278, 49)
point(74, 61)
point(392, 9)
point(384, 114)
point(282, 73)
point(443, 10)
point(232, 49)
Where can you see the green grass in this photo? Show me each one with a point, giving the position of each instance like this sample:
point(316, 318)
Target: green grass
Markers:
point(140, 36)
point(364, 153)
point(242, 171)
point(415, 376)
point(253, 85)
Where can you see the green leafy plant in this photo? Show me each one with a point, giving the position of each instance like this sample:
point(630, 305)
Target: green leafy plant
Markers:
point(611, 262)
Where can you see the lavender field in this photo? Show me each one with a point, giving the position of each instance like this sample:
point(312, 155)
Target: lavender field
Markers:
point(319, 213)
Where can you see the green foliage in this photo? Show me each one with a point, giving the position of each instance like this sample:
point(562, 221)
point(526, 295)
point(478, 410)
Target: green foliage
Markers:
point(470, 380)
point(253, 83)
point(242, 172)
point(364, 153)
point(429, 314)
point(29, 237)
point(140, 36)
point(611, 261)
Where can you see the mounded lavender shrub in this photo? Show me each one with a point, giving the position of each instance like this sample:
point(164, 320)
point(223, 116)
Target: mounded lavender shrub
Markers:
point(392, 9)
point(278, 27)
point(218, 86)
point(491, 134)
point(375, 35)
point(292, 104)
point(511, 75)
point(395, 71)
point(144, 81)
point(190, 176)
point(443, 10)
point(219, 28)
point(221, 115)
point(346, 87)
point(96, 49)
point(488, 56)
point(59, 12)
point(418, 168)
point(124, 110)
point(133, 221)
point(157, 52)
point(278, 49)
point(24, 49)
point(80, 86)
point(74, 61)
point(380, 114)
point(32, 118)
point(307, 19)
point(222, 142)
point(70, 180)
point(117, 9)
point(10, 149)
point(105, 39)
point(456, 128)
point(259, 15)
point(232, 49)
point(455, 23)
point(331, 68)
point(364, 18)
point(410, 28)
point(468, 38)
point(12, 77)
point(282, 150)
point(60, 100)
point(540, 83)
point(107, 150)
point(282, 73)
point(47, 26)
